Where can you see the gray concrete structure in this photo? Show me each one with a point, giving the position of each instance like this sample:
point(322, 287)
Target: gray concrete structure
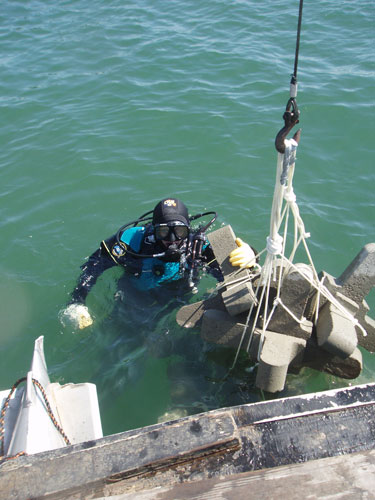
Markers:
point(238, 298)
point(359, 277)
point(290, 341)
point(355, 283)
point(335, 332)
point(277, 354)
point(295, 293)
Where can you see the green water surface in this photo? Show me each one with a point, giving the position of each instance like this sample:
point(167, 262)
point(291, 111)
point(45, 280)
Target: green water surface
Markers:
point(106, 107)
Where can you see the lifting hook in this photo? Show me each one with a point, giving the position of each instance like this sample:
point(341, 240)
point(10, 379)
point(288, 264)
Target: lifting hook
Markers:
point(291, 118)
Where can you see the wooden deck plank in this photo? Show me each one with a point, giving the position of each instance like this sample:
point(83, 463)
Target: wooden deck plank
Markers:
point(344, 477)
point(325, 441)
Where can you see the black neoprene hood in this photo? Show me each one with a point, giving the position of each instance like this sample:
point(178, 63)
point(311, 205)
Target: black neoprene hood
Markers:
point(170, 209)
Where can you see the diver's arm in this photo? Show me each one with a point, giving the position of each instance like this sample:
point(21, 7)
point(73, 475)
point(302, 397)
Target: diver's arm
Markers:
point(96, 264)
point(76, 312)
point(111, 252)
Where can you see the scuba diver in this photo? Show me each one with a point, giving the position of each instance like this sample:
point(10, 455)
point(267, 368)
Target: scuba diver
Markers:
point(158, 249)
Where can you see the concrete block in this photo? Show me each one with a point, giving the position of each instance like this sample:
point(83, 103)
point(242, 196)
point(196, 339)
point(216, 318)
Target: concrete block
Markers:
point(295, 293)
point(356, 282)
point(349, 304)
point(191, 315)
point(347, 300)
point(239, 298)
point(220, 328)
point(348, 368)
point(369, 325)
point(359, 277)
point(223, 241)
point(337, 291)
point(319, 359)
point(278, 352)
point(335, 332)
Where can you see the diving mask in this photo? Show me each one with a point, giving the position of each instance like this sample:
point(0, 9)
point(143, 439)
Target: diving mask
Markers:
point(171, 231)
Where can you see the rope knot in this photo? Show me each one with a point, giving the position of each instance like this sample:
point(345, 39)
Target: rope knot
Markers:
point(275, 246)
point(289, 196)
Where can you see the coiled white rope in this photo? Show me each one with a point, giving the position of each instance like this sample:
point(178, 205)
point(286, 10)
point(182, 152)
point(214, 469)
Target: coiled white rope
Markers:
point(275, 245)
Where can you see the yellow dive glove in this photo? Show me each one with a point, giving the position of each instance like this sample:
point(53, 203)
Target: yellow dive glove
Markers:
point(243, 256)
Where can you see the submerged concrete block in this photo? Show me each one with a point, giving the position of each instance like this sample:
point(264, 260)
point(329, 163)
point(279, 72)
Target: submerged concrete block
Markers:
point(239, 298)
point(278, 352)
point(335, 332)
point(191, 315)
point(319, 359)
point(348, 368)
point(220, 328)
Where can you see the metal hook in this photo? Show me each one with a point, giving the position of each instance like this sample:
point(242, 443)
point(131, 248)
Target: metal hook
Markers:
point(291, 118)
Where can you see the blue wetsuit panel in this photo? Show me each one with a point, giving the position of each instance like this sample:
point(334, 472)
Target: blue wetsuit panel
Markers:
point(154, 271)
point(133, 237)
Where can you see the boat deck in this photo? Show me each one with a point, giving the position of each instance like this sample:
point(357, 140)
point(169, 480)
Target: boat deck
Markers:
point(323, 441)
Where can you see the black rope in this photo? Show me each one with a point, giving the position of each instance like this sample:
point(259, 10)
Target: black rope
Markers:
point(291, 115)
point(294, 76)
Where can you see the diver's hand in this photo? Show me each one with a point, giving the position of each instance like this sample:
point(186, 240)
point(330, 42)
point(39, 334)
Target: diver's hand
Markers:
point(78, 315)
point(243, 256)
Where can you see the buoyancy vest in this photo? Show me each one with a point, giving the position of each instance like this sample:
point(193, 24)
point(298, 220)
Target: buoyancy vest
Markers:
point(146, 273)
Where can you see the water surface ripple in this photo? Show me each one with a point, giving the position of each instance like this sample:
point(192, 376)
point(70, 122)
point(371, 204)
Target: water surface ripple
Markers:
point(107, 107)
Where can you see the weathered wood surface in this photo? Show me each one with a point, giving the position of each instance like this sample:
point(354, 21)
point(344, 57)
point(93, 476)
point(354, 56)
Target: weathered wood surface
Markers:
point(343, 477)
point(201, 449)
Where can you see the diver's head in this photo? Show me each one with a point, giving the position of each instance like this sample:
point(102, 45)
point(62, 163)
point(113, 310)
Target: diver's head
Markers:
point(171, 222)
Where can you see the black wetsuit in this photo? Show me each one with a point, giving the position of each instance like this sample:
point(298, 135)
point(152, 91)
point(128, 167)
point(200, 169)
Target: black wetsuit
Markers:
point(146, 273)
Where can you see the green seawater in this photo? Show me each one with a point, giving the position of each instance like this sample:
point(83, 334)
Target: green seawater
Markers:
point(107, 107)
